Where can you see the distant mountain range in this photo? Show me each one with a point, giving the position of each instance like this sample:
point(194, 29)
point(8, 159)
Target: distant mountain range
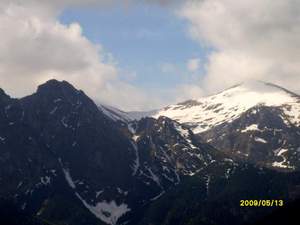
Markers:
point(66, 160)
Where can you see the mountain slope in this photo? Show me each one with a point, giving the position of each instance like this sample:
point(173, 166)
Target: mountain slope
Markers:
point(55, 145)
point(207, 112)
point(212, 197)
point(260, 136)
point(60, 153)
point(64, 160)
point(255, 122)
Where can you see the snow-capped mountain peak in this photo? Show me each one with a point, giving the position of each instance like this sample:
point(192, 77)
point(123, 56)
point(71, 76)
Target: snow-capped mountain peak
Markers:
point(206, 112)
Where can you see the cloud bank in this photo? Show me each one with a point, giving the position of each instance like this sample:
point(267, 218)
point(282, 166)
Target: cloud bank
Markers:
point(252, 39)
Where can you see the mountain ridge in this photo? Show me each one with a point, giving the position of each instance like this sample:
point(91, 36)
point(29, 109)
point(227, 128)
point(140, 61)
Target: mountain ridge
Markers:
point(68, 150)
point(207, 112)
point(65, 160)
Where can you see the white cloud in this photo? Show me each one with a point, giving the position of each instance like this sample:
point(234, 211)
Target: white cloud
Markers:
point(193, 64)
point(253, 39)
point(36, 47)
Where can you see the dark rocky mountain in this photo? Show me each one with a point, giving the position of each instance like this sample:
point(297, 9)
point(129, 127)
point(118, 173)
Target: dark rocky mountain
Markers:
point(65, 160)
point(60, 154)
point(255, 122)
point(260, 135)
point(213, 197)
point(12, 215)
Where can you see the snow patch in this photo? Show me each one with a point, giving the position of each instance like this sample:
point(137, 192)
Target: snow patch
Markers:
point(99, 193)
point(207, 183)
point(57, 100)
point(67, 175)
point(185, 134)
point(131, 129)
point(46, 180)
point(252, 127)
point(284, 163)
point(261, 140)
point(279, 152)
point(53, 110)
point(63, 121)
point(154, 177)
point(158, 196)
point(20, 184)
point(135, 137)
point(108, 212)
point(120, 191)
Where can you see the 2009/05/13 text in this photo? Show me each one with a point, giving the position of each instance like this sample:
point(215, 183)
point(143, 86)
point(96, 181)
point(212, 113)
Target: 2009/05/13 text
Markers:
point(259, 203)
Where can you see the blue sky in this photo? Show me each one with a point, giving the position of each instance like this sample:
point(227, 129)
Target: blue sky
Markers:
point(149, 42)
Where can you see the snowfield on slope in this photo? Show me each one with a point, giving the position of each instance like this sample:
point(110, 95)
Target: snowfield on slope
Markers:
point(207, 112)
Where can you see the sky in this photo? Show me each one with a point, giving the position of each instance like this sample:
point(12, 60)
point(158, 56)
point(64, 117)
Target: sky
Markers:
point(146, 54)
point(149, 43)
